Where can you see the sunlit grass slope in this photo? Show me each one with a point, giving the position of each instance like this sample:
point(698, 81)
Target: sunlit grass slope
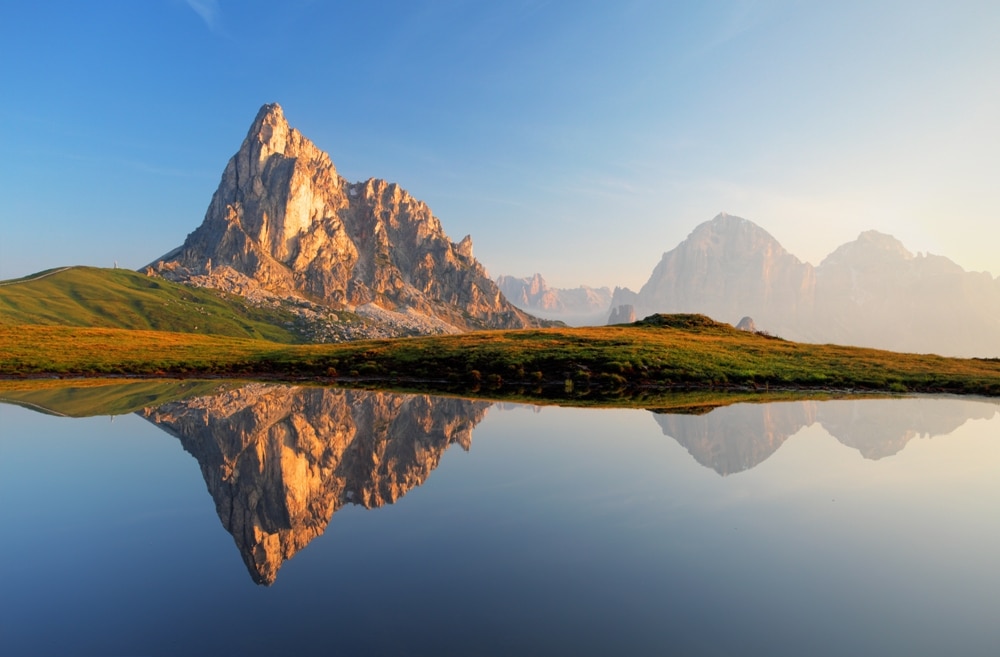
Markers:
point(119, 298)
point(86, 398)
point(673, 351)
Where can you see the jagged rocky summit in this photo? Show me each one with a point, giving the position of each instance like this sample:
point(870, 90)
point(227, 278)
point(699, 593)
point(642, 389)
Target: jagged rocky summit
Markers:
point(871, 292)
point(533, 294)
point(283, 223)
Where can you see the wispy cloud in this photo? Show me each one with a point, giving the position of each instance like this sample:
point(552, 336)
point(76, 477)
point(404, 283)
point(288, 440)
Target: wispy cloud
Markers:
point(208, 10)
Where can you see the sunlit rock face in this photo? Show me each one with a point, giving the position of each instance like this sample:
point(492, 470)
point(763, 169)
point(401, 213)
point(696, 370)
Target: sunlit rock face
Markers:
point(735, 438)
point(279, 461)
point(284, 221)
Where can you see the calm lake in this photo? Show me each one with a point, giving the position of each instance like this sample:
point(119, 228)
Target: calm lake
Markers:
point(274, 520)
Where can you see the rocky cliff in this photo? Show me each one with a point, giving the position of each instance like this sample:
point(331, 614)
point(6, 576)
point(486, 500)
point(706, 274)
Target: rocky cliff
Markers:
point(871, 292)
point(279, 461)
point(284, 222)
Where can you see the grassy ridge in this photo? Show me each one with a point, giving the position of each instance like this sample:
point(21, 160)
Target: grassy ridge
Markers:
point(669, 352)
point(119, 298)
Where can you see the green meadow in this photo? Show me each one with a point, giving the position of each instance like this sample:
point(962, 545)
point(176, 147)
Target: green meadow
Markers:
point(671, 353)
point(120, 298)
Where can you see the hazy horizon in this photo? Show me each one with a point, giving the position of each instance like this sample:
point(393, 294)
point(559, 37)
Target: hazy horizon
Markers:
point(577, 140)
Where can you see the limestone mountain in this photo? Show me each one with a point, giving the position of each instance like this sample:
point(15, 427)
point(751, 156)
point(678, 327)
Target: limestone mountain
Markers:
point(284, 222)
point(874, 292)
point(728, 268)
point(533, 294)
point(280, 460)
point(871, 292)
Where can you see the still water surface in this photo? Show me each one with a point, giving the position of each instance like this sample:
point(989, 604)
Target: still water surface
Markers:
point(277, 520)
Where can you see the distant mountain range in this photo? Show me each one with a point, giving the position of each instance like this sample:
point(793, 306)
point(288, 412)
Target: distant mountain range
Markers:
point(871, 292)
point(314, 257)
point(284, 224)
point(533, 294)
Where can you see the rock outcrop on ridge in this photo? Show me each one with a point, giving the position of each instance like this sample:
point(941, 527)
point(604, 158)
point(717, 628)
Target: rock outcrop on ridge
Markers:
point(280, 460)
point(284, 223)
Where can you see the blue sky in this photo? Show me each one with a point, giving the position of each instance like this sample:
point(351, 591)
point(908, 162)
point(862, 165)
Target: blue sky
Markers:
point(577, 139)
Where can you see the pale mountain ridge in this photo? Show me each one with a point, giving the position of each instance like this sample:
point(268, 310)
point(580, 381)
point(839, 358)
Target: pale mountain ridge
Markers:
point(871, 292)
point(283, 223)
point(534, 295)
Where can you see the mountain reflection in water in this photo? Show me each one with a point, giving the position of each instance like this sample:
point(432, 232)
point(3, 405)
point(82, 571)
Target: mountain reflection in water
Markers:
point(735, 438)
point(280, 460)
point(560, 531)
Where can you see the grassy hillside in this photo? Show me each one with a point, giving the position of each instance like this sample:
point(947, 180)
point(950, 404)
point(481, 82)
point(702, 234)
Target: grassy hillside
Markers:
point(119, 298)
point(86, 398)
point(669, 352)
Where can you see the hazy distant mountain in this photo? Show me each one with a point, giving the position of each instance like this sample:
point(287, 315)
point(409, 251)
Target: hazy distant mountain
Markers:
point(871, 292)
point(284, 222)
point(728, 268)
point(534, 295)
point(874, 292)
point(739, 437)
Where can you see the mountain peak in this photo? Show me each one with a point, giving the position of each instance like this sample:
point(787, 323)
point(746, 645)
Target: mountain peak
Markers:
point(284, 222)
point(727, 228)
point(871, 246)
point(726, 268)
point(726, 219)
point(270, 119)
point(881, 240)
point(269, 111)
point(270, 133)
